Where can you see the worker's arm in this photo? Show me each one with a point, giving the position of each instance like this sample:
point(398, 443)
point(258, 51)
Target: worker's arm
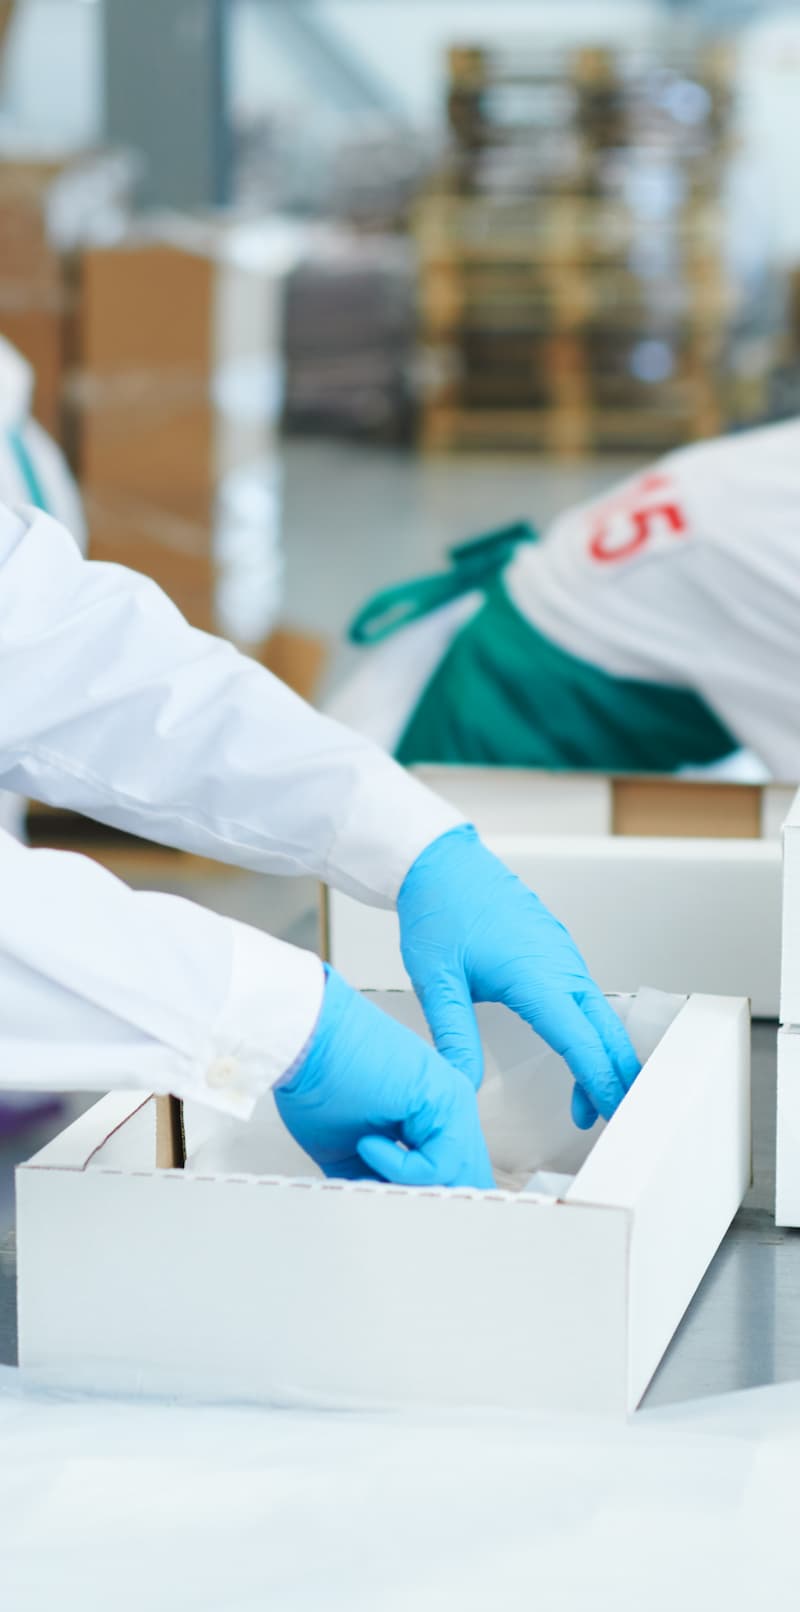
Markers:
point(112, 705)
point(102, 986)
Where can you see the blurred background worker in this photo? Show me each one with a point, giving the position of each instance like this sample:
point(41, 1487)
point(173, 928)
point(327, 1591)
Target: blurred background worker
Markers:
point(651, 629)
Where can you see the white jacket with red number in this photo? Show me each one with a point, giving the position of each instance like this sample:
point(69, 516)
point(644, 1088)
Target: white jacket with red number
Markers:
point(687, 574)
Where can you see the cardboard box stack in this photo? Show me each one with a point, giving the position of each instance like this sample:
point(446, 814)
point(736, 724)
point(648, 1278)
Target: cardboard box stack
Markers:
point(574, 291)
point(49, 207)
point(174, 415)
point(668, 879)
point(172, 407)
point(33, 291)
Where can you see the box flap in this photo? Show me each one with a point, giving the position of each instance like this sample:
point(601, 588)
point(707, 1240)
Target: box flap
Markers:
point(677, 1154)
point(792, 819)
point(73, 1148)
point(625, 1157)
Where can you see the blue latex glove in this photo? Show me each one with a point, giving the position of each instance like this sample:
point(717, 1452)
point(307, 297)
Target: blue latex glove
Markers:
point(367, 1084)
point(471, 932)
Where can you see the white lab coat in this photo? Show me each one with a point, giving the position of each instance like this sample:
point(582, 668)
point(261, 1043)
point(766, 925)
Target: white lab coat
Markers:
point(32, 469)
point(687, 574)
point(112, 705)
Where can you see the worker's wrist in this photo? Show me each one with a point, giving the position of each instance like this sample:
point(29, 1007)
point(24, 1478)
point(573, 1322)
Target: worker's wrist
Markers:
point(270, 1014)
point(291, 1077)
point(434, 857)
point(392, 820)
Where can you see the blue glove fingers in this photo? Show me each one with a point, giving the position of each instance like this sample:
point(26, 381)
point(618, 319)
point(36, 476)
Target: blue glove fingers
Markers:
point(584, 1113)
point(393, 1163)
point(455, 1157)
point(447, 1005)
point(613, 1035)
point(617, 1043)
point(570, 1033)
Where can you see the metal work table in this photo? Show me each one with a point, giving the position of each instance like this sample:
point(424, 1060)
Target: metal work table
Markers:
point(742, 1329)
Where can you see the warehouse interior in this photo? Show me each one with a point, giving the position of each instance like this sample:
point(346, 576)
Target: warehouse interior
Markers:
point(311, 294)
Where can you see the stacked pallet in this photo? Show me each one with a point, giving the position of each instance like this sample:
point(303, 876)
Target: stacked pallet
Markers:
point(574, 295)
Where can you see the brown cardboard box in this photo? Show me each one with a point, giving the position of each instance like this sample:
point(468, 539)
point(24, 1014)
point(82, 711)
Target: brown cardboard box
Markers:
point(159, 325)
point(146, 308)
point(6, 14)
point(297, 658)
point(682, 808)
point(27, 258)
point(37, 331)
point(174, 342)
point(149, 440)
point(32, 299)
point(39, 200)
point(145, 419)
point(174, 550)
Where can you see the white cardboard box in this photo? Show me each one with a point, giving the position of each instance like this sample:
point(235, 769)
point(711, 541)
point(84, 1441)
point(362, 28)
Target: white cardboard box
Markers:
point(665, 880)
point(280, 1286)
point(790, 944)
point(787, 1152)
point(787, 1158)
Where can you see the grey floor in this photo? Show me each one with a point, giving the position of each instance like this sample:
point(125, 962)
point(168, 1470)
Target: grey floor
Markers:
point(355, 520)
point(358, 519)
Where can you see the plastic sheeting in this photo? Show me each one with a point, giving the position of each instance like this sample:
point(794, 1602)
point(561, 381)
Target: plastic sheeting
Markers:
point(108, 1503)
point(524, 1102)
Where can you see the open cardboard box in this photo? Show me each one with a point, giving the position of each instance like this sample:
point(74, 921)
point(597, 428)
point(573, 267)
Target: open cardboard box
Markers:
point(672, 880)
point(246, 1276)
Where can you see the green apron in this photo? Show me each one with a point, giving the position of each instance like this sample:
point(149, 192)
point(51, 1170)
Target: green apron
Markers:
point(505, 695)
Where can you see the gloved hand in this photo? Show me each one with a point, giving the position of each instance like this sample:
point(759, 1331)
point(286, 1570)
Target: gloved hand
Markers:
point(471, 932)
point(368, 1083)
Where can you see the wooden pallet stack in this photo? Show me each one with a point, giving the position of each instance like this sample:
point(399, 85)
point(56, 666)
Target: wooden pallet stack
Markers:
point(573, 288)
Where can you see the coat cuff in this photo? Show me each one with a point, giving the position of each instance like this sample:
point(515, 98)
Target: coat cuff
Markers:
point(269, 1016)
point(392, 819)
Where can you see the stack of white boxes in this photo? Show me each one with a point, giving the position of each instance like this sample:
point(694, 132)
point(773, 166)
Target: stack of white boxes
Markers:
point(661, 881)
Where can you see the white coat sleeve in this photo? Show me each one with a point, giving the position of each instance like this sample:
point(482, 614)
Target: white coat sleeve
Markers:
point(103, 987)
point(113, 706)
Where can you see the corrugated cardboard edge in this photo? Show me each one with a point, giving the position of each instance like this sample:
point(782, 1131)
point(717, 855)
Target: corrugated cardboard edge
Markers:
point(687, 808)
point(170, 1134)
point(643, 805)
point(324, 923)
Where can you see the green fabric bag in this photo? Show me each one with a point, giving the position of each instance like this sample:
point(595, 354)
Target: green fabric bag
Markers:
point(505, 695)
